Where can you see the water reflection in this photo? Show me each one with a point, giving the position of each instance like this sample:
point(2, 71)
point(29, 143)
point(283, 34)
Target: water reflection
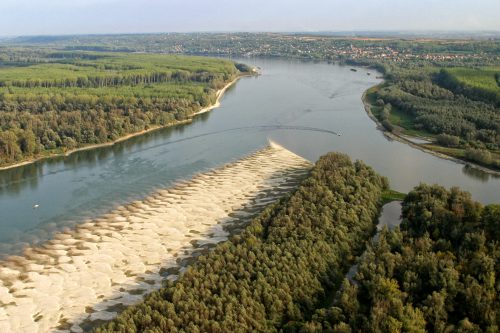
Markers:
point(390, 218)
point(15, 180)
point(478, 174)
point(12, 181)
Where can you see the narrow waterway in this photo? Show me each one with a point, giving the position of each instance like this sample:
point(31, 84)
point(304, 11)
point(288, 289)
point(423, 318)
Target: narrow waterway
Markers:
point(390, 218)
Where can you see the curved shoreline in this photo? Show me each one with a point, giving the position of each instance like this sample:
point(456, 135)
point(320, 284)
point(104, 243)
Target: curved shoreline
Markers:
point(402, 139)
point(219, 95)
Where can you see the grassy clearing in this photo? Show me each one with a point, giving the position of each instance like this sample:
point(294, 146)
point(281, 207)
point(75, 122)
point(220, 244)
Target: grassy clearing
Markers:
point(455, 152)
point(482, 78)
point(405, 122)
point(392, 195)
point(402, 120)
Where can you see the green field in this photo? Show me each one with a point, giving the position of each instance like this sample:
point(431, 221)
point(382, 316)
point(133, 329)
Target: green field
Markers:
point(482, 83)
point(403, 121)
point(72, 65)
point(55, 101)
point(483, 78)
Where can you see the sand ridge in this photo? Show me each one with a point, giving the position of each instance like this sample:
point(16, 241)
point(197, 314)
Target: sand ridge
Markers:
point(88, 274)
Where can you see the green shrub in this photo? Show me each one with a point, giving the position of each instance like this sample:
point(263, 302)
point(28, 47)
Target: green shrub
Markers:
point(448, 140)
point(481, 156)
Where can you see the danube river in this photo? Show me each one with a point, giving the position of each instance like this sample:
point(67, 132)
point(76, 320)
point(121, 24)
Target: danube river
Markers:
point(309, 108)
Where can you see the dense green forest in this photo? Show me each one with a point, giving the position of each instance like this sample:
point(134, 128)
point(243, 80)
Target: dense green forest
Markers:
point(54, 101)
point(286, 263)
point(439, 272)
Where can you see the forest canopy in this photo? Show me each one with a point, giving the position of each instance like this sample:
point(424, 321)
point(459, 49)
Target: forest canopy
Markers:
point(55, 101)
point(438, 272)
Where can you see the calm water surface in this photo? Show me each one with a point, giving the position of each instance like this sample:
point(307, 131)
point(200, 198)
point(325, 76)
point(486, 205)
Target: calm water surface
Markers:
point(289, 94)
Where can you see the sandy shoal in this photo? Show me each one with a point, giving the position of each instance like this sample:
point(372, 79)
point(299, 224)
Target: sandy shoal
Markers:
point(89, 273)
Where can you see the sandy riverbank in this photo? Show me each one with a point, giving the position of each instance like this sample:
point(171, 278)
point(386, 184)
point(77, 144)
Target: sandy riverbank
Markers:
point(91, 272)
point(408, 140)
point(219, 95)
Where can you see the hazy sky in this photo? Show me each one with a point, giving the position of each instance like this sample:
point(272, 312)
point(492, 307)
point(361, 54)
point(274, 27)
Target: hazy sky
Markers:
point(34, 17)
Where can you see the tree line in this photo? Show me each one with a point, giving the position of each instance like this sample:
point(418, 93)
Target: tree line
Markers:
point(32, 127)
point(114, 80)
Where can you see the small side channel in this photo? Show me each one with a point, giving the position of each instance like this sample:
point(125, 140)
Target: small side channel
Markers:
point(390, 216)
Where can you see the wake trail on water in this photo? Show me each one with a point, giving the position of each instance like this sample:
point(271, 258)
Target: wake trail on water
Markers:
point(256, 127)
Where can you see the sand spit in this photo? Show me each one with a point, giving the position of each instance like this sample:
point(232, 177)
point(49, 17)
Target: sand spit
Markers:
point(88, 274)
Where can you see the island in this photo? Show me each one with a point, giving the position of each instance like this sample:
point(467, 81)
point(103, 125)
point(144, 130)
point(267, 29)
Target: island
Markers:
point(56, 102)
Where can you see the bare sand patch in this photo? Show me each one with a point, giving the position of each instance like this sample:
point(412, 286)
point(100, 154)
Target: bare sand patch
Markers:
point(90, 273)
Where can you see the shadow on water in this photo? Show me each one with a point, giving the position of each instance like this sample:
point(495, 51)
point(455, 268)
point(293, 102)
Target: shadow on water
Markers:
point(16, 179)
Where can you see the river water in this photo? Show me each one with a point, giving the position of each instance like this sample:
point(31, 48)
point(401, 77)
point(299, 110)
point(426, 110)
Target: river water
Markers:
point(300, 105)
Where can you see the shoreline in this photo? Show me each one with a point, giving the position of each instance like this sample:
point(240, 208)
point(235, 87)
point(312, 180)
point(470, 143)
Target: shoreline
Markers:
point(402, 139)
point(91, 272)
point(219, 95)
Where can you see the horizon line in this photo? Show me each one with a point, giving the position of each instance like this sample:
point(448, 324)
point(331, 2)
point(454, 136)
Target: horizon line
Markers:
point(338, 32)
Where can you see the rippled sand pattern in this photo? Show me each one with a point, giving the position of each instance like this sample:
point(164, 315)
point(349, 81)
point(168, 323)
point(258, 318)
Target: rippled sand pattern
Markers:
point(88, 274)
